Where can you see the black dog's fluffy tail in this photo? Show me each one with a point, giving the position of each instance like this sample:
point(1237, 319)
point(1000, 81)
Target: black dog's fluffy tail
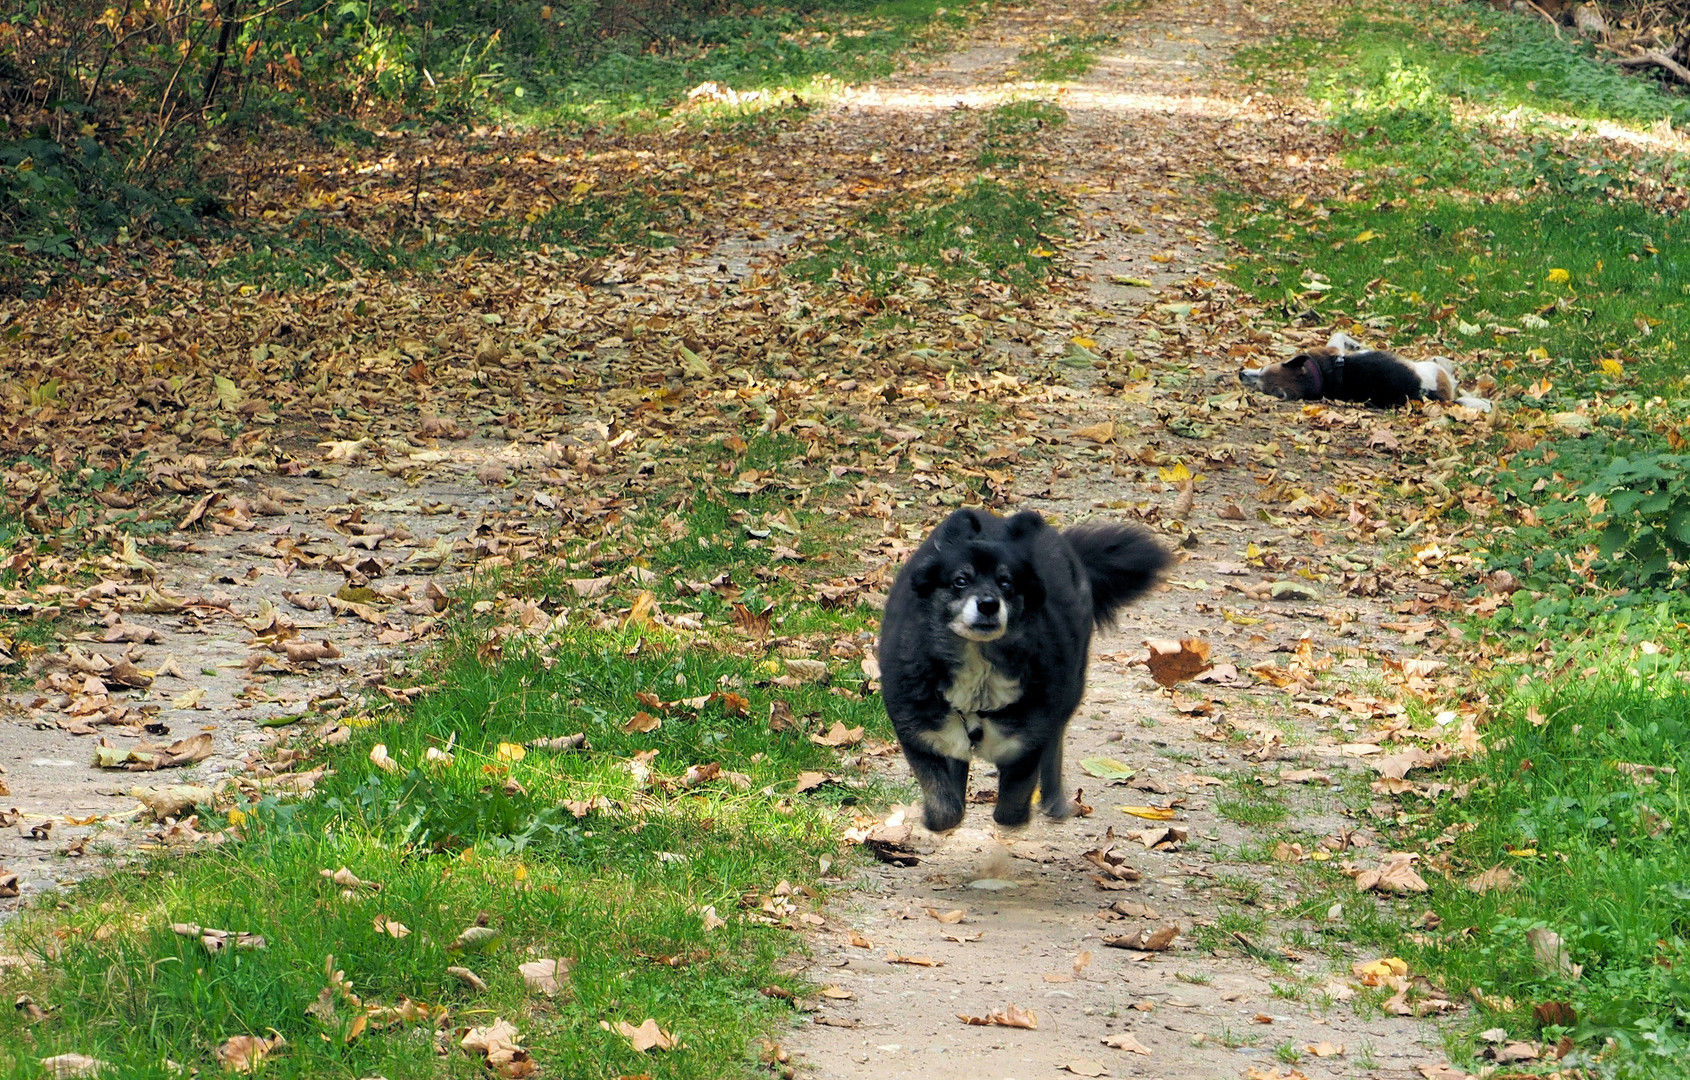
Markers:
point(1121, 563)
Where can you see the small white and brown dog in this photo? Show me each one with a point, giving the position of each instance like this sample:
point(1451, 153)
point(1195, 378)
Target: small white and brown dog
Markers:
point(1346, 370)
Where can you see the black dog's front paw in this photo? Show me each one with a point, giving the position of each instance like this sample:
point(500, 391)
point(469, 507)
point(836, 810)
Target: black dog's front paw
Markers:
point(941, 814)
point(1010, 814)
point(1059, 809)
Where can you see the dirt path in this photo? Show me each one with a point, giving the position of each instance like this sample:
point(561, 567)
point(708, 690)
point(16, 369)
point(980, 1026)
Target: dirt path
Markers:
point(1154, 113)
point(196, 630)
point(1279, 496)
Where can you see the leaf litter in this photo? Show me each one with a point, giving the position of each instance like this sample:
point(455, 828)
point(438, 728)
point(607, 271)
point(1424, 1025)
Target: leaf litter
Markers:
point(582, 469)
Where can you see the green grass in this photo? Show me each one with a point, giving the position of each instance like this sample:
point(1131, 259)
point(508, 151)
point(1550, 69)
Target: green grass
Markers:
point(1060, 57)
point(1482, 276)
point(491, 837)
point(989, 230)
point(1600, 858)
point(1010, 130)
point(777, 49)
point(1548, 264)
point(1427, 56)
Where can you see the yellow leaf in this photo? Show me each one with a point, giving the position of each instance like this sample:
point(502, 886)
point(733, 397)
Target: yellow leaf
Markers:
point(1084, 342)
point(1149, 813)
point(1364, 237)
point(1523, 853)
point(1558, 276)
point(1537, 352)
point(237, 817)
point(1612, 368)
point(1042, 252)
point(581, 187)
point(1178, 474)
point(510, 752)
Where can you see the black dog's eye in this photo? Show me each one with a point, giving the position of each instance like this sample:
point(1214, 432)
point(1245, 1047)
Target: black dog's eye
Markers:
point(1006, 583)
point(961, 581)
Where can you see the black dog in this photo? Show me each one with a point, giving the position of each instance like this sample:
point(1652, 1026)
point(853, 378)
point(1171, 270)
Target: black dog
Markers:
point(1346, 370)
point(983, 650)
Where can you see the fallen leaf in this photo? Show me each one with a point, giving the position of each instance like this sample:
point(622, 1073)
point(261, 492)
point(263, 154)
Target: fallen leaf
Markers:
point(500, 1047)
point(475, 939)
point(468, 978)
point(1086, 1067)
point(244, 1053)
point(947, 917)
point(1172, 662)
point(1146, 940)
point(1496, 878)
point(648, 1036)
point(73, 1066)
point(1122, 1040)
point(1097, 433)
point(640, 723)
point(542, 976)
point(1107, 768)
point(1551, 955)
point(1013, 1016)
point(1394, 875)
point(839, 735)
point(1149, 813)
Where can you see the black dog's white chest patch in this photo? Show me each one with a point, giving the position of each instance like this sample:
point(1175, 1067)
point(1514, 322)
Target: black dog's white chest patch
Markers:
point(977, 686)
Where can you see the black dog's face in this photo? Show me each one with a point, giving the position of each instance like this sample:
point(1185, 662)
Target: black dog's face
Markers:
point(1290, 381)
point(981, 592)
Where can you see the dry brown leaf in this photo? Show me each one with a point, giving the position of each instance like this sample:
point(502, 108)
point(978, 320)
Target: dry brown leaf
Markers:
point(499, 1045)
point(542, 976)
point(1145, 940)
point(915, 961)
point(1394, 875)
point(468, 978)
point(1013, 1016)
point(839, 735)
point(1122, 1040)
point(640, 723)
point(73, 1066)
point(244, 1053)
point(1173, 662)
point(648, 1036)
point(1097, 433)
point(947, 917)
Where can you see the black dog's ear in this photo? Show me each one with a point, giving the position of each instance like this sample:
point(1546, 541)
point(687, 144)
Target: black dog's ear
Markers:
point(1299, 360)
point(1025, 524)
point(962, 525)
point(925, 576)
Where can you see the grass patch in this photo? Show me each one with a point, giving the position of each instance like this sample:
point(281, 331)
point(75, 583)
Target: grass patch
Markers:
point(1422, 58)
point(604, 856)
point(990, 230)
point(1582, 797)
point(1011, 129)
point(1559, 287)
point(1253, 808)
point(1063, 56)
point(776, 49)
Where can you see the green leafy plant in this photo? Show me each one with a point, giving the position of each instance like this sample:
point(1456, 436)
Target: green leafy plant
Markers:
point(1647, 531)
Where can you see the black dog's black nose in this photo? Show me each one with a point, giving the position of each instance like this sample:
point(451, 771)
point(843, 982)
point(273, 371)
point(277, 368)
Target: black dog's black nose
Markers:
point(986, 605)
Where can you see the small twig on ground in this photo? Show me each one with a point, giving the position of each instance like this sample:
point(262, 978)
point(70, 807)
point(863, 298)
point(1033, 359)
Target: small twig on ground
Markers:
point(1660, 60)
point(1550, 19)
